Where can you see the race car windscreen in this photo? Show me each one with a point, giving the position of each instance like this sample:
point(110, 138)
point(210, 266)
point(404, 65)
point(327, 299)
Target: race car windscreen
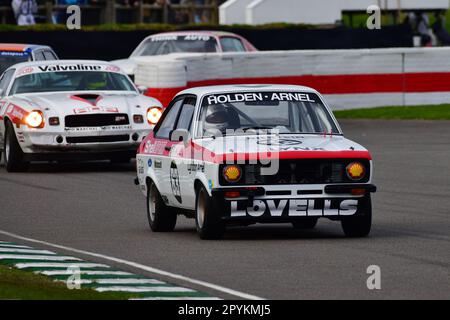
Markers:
point(9, 58)
point(171, 44)
point(71, 81)
point(283, 112)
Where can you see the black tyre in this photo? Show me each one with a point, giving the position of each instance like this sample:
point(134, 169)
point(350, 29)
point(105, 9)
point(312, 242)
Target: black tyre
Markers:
point(13, 152)
point(207, 217)
point(161, 218)
point(306, 223)
point(360, 224)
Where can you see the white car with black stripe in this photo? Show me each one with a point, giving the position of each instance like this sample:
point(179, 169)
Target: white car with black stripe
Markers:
point(74, 110)
point(244, 154)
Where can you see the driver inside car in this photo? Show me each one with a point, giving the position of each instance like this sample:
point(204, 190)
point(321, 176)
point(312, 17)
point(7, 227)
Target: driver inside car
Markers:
point(219, 119)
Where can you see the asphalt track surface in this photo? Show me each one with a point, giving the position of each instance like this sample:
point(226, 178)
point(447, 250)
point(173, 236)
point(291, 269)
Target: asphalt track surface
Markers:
point(96, 207)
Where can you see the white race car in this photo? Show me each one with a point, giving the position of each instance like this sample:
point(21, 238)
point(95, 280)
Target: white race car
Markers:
point(237, 155)
point(55, 110)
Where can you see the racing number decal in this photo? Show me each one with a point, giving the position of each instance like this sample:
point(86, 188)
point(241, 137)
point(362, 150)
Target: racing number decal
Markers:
point(175, 181)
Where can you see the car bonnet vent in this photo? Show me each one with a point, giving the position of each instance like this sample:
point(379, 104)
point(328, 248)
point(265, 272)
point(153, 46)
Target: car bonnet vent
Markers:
point(91, 98)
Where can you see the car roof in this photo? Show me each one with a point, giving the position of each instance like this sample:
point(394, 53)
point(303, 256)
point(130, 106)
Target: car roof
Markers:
point(204, 32)
point(201, 91)
point(19, 47)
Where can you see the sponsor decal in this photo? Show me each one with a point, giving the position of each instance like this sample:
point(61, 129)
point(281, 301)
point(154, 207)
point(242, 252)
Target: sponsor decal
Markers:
point(158, 164)
point(13, 54)
point(259, 97)
point(112, 69)
point(294, 208)
point(210, 184)
point(24, 70)
point(164, 38)
point(190, 37)
point(70, 67)
point(278, 141)
point(140, 166)
point(154, 147)
point(175, 181)
point(96, 129)
point(95, 109)
point(194, 167)
point(149, 162)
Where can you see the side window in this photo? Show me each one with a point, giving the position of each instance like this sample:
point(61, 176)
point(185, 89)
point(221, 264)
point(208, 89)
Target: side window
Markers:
point(168, 123)
point(5, 80)
point(39, 55)
point(230, 44)
point(49, 55)
point(186, 114)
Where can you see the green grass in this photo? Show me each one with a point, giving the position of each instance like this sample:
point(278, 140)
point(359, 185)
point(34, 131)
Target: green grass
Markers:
point(434, 112)
point(23, 285)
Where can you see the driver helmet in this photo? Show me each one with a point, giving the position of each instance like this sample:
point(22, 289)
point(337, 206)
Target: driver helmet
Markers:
point(95, 81)
point(216, 119)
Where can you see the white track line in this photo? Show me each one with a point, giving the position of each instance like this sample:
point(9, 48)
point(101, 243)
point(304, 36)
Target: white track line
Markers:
point(36, 257)
point(141, 267)
point(143, 289)
point(84, 272)
point(15, 250)
point(129, 281)
point(59, 265)
point(3, 245)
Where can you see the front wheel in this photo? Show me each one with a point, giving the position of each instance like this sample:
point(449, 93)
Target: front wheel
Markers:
point(13, 152)
point(161, 218)
point(359, 225)
point(207, 217)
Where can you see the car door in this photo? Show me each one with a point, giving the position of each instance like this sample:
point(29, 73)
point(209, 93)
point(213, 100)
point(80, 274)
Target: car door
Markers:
point(162, 145)
point(183, 169)
point(5, 81)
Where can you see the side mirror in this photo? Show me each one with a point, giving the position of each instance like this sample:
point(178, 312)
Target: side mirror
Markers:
point(142, 89)
point(180, 135)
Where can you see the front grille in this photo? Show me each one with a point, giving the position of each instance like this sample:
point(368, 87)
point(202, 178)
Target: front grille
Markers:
point(96, 120)
point(301, 171)
point(94, 139)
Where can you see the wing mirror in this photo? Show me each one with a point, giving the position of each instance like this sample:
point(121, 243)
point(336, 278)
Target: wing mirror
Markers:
point(142, 89)
point(179, 135)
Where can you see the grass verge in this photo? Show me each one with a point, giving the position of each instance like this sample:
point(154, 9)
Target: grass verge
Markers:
point(23, 285)
point(432, 112)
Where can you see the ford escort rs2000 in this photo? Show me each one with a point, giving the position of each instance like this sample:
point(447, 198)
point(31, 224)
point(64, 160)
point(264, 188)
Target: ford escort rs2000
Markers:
point(71, 110)
point(244, 154)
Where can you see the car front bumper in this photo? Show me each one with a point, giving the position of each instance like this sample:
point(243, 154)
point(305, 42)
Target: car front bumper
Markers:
point(261, 204)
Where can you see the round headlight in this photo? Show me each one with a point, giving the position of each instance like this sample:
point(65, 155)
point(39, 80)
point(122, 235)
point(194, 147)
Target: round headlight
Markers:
point(35, 119)
point(232, 173)
point(356, 171)
point(153, 115)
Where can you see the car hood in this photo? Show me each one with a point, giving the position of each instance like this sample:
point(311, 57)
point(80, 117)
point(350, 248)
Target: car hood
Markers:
point(285, 145)
point(64, 103)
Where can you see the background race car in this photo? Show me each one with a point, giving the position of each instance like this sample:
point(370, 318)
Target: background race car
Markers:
point(185, 41)
point(71, 110)
point(253, 153)
point(12, 53)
